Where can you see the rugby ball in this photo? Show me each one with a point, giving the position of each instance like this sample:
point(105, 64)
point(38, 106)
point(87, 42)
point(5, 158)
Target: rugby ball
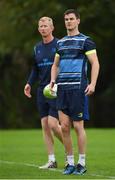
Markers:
point(48, 93)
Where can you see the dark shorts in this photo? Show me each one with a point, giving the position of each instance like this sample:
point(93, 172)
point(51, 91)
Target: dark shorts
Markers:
point(73, 103)
point(46, 106)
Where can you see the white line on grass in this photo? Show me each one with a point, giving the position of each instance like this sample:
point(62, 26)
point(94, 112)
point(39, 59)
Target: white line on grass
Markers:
point(58, 170)
point(18, 163)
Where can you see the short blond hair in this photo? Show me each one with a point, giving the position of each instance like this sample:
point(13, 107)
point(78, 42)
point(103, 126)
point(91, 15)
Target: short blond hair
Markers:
point(45, 18)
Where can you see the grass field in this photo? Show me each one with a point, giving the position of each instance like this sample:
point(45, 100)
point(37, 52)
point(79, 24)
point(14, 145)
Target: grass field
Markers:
point(22, 151)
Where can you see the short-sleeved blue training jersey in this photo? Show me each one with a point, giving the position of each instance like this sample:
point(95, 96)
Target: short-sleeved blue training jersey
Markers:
point(73, 61)
point(44, 58)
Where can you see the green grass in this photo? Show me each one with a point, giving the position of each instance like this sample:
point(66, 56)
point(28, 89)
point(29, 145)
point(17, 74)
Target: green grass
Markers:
point(22, 151)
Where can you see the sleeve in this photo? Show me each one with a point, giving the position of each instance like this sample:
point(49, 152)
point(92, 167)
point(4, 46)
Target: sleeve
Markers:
point(57, 47)
point(34, 72)
point(89, 46)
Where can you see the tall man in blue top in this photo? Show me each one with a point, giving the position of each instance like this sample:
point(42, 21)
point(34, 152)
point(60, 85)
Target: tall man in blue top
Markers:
point(44, 56)
point(70, 70)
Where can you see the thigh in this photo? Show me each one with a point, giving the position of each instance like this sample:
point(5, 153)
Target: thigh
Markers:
point(52, 108)
point(64, 120)
point(62, 101)
point(86, 108)
point(79, 108)
point(53, 122)
point(75, 99)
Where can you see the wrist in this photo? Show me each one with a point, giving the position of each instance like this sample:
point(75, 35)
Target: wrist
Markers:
point(93, 84)
point(53, 81)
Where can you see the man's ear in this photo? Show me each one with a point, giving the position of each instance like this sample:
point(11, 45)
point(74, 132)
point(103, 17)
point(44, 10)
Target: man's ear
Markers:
point(78, 21)
point(52, 28)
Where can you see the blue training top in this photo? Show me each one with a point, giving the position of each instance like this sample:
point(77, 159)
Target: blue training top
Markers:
point(44, 58)
point(73, 61)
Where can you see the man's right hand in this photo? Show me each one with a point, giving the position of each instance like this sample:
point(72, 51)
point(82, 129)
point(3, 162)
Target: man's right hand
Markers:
point(52, 85)
point(27, 90)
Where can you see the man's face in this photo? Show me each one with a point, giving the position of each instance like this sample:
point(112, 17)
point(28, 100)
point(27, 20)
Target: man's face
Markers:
point(71, 22)
point(45, 28)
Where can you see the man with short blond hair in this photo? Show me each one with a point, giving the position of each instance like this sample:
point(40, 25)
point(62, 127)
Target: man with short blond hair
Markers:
point(45, 18)
point(44, 56)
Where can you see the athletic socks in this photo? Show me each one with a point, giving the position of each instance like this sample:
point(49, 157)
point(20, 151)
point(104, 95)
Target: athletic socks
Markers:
point(51, 157)
point(81, 159)
point(70, 160)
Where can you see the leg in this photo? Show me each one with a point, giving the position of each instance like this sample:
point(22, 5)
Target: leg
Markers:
point(57, 131)
point(66, 126)
point(80, 131)
point(55, 127)
point(77, 114)
point(43, 108)
point(48, 139)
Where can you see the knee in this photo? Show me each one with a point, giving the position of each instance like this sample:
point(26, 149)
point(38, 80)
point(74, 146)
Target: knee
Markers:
point(53, 125)
point(79, 128)
point(65, 128)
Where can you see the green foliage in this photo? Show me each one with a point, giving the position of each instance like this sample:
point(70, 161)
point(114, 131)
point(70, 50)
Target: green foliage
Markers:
point(18, 35)
point(19, 22)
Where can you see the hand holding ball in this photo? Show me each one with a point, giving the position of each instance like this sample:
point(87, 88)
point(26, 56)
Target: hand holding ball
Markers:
point(48, 93)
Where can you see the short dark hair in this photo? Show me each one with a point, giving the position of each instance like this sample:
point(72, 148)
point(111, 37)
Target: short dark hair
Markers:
point(72, 11)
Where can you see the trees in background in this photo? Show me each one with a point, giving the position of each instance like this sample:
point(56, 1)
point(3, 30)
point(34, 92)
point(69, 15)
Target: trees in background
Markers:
point(18, 34)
